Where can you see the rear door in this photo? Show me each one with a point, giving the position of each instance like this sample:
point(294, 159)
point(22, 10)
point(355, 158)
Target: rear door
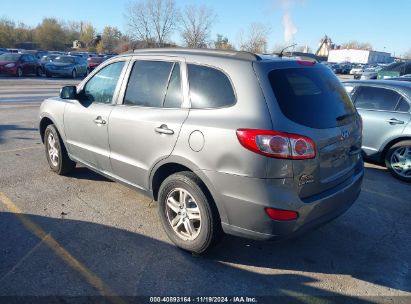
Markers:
point(144, 126)
point(307, 99)
point(384, 113)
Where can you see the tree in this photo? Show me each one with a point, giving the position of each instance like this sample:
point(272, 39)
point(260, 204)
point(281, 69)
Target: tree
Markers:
point(196, 22)
point(222, 43)
point(110, 40)
point(50, 35)
point(88, 34)
point(255, 40)
point(7, 28)
point(152, 20)
point(356, 45)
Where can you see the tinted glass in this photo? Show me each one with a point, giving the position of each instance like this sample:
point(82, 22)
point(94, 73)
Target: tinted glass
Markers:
point(209, 88)
point(101, 87)
point(174, 96)
point(9, 57)
point(312, 97)
point(148, 83)
point(402, 106)
point(371, 98)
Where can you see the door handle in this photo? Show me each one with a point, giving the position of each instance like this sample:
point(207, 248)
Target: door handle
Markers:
point(163, 129)
point(394, 121)
point(99, 120)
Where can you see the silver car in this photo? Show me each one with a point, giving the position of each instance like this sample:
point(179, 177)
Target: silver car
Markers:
point(385, 107)
point(224, 141)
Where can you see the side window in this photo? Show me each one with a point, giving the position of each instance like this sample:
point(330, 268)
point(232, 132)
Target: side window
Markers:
point(101, 87)
point(148, 83)
point(372, 98)
point(403, 105)
point(174, 96)
point(209, 88)
point(24, 58)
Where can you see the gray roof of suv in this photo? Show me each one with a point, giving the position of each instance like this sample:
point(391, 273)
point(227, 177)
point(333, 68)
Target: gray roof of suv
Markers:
point(241, 55)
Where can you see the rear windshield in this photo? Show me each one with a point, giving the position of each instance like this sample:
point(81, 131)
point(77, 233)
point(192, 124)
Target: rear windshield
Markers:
point(312, 97)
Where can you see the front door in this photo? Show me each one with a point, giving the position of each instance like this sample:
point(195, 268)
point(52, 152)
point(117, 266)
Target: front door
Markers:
point(86, 121)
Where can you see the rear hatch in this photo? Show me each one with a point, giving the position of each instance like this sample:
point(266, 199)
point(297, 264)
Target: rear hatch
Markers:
point(307, 99)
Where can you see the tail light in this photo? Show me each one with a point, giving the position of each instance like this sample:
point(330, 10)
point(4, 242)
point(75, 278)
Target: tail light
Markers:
point(277, 144)
point(281, 215)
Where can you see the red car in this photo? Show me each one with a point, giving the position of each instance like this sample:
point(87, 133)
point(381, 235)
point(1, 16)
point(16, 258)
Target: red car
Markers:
point(93, 62)
point(15, 64)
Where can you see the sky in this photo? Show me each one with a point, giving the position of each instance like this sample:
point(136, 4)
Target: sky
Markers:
point(384, 24)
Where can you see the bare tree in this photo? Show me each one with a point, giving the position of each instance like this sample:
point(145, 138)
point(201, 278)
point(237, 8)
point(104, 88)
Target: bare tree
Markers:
point(255, 39)
point(222, 43)
point(356, 45)
point(152, 20)
point(196, 23)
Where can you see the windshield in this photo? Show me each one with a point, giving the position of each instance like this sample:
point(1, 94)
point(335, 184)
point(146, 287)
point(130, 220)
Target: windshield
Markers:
point(64, 59)
point(9, 57)
point(49, 57)
point(312, 97)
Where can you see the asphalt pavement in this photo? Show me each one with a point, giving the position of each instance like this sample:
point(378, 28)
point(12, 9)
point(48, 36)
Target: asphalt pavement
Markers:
point(83, 235)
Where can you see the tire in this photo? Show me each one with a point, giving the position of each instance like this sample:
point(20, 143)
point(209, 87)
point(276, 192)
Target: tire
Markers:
point(56, 152)
point(398, 160)
point(48, 75)
point(39, 72)
point(204, 224)
point(74, 74)
point(19, 72)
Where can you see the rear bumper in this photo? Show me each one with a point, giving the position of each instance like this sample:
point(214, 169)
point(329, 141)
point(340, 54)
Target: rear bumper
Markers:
point(244, 199)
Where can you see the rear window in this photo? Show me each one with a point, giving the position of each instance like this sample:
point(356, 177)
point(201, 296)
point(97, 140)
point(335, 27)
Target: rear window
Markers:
point(312, 97)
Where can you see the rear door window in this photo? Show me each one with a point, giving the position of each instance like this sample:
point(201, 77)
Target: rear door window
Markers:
point(402, 106)
point(148, 83)
point(312, 97)
point(209, 88)
point(372, 98)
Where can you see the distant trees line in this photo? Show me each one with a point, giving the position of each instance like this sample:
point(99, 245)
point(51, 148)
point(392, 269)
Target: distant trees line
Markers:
point(149, 23)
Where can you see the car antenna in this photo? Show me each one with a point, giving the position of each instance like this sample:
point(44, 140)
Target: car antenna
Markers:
point(287, 47)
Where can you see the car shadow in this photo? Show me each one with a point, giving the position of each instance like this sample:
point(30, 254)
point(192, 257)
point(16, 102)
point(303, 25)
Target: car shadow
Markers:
point(13, 127)
point(87, 174)
point(87, 256)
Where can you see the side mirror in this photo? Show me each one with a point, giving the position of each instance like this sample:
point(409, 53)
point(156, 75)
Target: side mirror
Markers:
point(68, 92)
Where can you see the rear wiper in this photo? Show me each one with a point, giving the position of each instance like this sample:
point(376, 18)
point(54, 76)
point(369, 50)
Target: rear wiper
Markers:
point(342, 117)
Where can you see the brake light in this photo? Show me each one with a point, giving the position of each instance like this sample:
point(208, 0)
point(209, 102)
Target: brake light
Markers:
point(306, 62)
point(281, 215)
point(277, 144)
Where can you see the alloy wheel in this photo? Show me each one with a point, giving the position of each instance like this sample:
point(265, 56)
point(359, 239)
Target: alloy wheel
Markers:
point(401, 161)
point(53, 150)
point(183, 214)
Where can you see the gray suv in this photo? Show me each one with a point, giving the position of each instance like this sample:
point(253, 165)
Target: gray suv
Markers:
point(224, 141)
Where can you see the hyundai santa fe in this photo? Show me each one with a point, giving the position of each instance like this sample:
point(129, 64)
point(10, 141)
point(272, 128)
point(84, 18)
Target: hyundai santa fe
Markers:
point(224, 141)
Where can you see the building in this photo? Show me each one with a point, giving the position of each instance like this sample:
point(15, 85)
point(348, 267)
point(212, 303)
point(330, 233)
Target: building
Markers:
point(359, 56)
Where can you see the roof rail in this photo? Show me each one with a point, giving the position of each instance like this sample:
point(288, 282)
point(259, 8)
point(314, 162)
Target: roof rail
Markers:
point(235, 54)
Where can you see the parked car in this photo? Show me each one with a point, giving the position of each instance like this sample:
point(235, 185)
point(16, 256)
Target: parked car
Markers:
point(93, 62)
point(358, 69)
point(36, 53)
point(66, 66)
point(345, 68)
point(395, 69)
point(223, 140)
point(47, 58)
point(368, 73)
point(15, 64)
point(336, 68)
point(384, 106)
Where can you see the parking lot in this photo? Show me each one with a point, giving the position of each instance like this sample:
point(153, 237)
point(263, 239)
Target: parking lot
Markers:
point(85, 235)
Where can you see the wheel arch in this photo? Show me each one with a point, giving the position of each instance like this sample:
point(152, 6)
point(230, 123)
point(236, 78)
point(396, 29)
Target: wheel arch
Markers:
point(172, 165)
point(389, 144)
